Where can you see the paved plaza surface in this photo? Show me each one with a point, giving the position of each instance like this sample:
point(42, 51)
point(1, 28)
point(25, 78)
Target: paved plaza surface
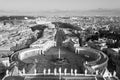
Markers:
point(50, 60)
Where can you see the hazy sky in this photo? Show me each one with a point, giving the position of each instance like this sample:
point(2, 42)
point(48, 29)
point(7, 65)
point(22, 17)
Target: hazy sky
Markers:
point(36, 5)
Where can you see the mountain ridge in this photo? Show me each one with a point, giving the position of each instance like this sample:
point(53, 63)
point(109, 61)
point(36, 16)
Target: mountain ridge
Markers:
point(94, 12)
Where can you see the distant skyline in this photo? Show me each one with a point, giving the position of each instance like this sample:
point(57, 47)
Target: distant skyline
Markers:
point(38, 5)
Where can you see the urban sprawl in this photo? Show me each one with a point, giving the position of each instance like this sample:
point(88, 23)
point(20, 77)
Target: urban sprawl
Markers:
point(59, 48)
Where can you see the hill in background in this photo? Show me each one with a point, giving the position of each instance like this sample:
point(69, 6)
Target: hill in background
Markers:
point(96, 12)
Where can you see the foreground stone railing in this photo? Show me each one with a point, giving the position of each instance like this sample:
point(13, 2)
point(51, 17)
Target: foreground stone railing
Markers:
point(57, 75)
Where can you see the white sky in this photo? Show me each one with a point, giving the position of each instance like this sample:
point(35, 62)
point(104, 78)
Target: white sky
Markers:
point(36, 5)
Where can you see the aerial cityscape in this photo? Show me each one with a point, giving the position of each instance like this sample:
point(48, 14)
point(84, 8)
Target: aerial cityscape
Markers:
point(60, 41)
